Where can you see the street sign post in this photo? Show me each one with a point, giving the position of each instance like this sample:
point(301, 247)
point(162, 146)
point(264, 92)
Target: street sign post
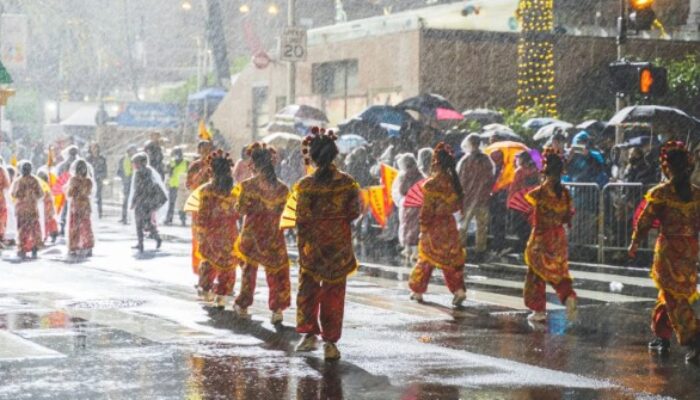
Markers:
point(293, 45)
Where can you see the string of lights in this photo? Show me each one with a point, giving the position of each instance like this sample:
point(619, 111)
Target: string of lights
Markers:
point(535, 76)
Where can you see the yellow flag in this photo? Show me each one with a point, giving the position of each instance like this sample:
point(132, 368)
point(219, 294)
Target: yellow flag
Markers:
point(13, 160)
point(377, 203)
point(203, 131)
point(388, 175)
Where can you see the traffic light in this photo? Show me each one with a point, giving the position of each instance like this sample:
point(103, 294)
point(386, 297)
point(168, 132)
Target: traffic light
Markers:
point(641, 15)
point(638, 77)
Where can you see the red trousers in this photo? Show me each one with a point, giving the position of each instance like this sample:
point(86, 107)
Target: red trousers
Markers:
point(320, 307)
point(278, 284)
point(29, 233)
point(219, 281)
point(420, 277)
point(674, 315)
point(535, 291)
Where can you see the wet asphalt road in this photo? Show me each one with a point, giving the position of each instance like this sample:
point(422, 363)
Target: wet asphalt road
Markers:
point(119, 326)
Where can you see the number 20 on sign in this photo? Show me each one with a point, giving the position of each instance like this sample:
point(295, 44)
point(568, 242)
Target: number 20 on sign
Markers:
point(293, 45)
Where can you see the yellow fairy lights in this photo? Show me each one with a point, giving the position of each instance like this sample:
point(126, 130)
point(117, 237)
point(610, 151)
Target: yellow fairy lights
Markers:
point(535, 76)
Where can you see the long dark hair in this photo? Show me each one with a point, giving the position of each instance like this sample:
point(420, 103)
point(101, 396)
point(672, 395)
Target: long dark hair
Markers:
point(444, 158)
point(263, 160)
point(677, 161)
point(323, 151)
point(220, 164)
point(553, 169)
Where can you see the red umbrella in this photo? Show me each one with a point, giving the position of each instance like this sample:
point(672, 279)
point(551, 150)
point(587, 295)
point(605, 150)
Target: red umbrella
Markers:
point(414, 197)
point(444, 114)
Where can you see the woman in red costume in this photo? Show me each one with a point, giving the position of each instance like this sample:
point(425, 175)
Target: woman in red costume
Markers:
point(4, 187)
point(327, 202)
point(217, 230)
point(261, 243)
point(50, 222)
point(676, 205)
point(439, 245)
point(80, 236)
point(547, 251)
point(27, 193)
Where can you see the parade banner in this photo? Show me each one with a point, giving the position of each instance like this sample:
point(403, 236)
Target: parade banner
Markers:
point(388, 175)
point(377, 204)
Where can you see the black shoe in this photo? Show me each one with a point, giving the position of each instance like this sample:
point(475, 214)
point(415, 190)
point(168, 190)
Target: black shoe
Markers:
point(660, 345)
point(139, 247)
point(34, 252)
point(159, 241)
point(89, 253)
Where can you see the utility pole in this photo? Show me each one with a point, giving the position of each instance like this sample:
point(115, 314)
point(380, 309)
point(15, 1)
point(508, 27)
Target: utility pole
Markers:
point(621, 40)
point(292, 68)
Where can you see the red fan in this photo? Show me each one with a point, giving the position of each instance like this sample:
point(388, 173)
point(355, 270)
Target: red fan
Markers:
point(61, 180)
point(638, 213)
point(414, 197)
point(517, 202)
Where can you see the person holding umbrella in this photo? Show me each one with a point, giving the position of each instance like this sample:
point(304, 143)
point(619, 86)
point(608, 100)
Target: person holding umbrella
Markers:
point(676, 205)
point(439, 244)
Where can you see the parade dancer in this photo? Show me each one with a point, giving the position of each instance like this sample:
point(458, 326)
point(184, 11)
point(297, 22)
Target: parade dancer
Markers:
point(261, 243)
point(546, 254)
point(79, 189)
point(676, 205)
point(27, 193)
point(327, 203)
point(439, 245)
point(198, 174)
point(217, 230)
point(4, 187)
point(50, 222)
point(147, 196)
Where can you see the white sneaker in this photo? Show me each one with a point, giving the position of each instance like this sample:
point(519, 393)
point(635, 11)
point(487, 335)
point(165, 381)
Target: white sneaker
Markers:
point(330, 352)
point(417, 297)
point(277, 317)
point(307, 343)
point(241, 312)
point(459, 298)
point(220, 301)
point(537, 316)
point(571, 312)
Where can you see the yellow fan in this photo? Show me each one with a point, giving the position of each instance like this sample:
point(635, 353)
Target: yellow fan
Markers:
point(192, 203)
point(289, 215)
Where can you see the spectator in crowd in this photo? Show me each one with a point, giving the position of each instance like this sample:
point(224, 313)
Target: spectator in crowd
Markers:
point(497, 205)
point(177, 171)
point(425, 160)
point(557, 142)
point(409, 224)
point(243, 168)
point(99, 170)
point(358, 165)
point(147, 196)
point(586, 164)
point(124, 171)
point(638, 170)
point(477, 175)
point(526, 178)
point(154, 151)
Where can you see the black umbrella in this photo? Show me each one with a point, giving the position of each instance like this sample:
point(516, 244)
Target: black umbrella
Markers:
point(484, 116)
point(426, 104)
point(666, 121)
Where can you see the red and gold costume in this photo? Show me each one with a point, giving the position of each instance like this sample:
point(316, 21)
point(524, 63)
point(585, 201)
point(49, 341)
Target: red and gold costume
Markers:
point(547, 251)
point(217, 232)
point(261, 242)
point(197, 175)
point(80, 236)
point(439, 245)
point(674, 269)
point(324, 214)
point(4, 185)
point(50, 222)
point(27, 192)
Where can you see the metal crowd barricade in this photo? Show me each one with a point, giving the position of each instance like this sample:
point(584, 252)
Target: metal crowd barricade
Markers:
point(584, 232)
point(619, 202)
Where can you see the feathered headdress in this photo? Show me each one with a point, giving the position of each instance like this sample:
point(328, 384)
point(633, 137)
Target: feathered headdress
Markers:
point(219, 159)
point(315, 135)
point(443, 147)
point(261, 146)
point(548, 155)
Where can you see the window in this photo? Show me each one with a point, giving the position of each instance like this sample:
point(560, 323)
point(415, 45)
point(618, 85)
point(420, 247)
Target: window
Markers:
point(334, 78)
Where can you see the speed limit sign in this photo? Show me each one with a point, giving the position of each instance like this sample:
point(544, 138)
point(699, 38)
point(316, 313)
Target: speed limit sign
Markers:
point(293, 45)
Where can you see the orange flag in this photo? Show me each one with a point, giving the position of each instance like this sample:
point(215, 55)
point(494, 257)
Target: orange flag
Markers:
point(13, 160)
point(388, 175)
point(377, 204)
point(203, 131)
point(49, 165)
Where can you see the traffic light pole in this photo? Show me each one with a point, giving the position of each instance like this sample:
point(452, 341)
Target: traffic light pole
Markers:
point(621, 40)
point(291, 68)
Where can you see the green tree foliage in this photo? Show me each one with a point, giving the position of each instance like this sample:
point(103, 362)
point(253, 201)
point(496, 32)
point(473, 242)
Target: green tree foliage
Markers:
point(683, 83)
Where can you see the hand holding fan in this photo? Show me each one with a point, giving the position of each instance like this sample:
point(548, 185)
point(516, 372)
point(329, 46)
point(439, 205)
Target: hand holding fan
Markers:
point(414, 197)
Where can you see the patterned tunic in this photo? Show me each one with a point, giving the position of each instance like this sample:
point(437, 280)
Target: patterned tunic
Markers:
point(4, 185)
point(324, 214)
point(676, 253)
point(547, 251)
point(439, 243)
point(216, 227)
point(261, 242)
point(27, 192)
point(80, 234)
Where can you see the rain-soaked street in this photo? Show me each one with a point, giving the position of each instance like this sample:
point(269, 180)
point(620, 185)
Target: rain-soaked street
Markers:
point(123, 326)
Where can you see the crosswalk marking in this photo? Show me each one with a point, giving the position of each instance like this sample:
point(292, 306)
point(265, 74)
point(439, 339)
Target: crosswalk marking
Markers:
point(13, 347)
